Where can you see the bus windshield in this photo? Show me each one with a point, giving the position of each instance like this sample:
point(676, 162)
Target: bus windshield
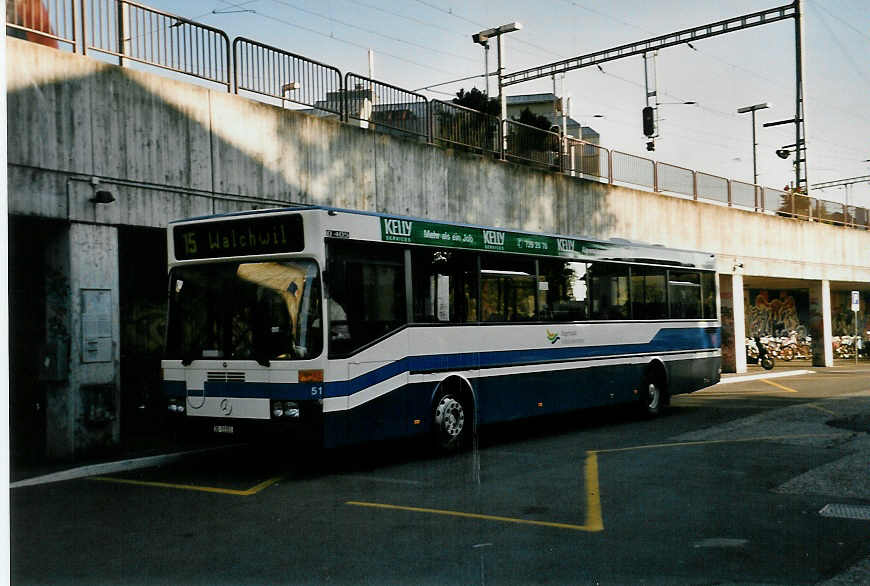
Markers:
point(245, 311)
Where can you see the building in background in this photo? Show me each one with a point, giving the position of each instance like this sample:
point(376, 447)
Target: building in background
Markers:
point(551, 107)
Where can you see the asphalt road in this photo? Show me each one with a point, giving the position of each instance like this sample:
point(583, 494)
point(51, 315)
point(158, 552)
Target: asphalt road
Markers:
point(725, 488)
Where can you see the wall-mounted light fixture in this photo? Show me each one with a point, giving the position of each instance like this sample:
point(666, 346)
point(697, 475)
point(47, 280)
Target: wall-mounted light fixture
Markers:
point(103, 196)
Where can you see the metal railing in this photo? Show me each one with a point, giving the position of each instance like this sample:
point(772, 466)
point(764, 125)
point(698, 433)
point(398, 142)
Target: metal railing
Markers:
point(675, 180)
point(269, 71)
point(633, 170)
point(533, 145)
point(380, 104)
point(746, 195)
point(587, 160)
point(455, 125)
point(135, 33)
point(712, 188)
point(831, 212)
point(802, 206)
point(861, 218)
point(48, 22)
point(129, 30)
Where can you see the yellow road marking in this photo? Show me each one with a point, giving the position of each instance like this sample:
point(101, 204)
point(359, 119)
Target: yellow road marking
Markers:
point(593, 523)
point(783, 387)
point(251, 491)
point(472, 516)
point(594, 519)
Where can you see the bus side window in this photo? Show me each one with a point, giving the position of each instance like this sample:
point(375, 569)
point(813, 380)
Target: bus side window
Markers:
point(508, 288)
point(445, 285)
point(366, 294)
point(708, 292)
point(609, 291)
point(684, 290)
point(562, 290)
point(648, 293)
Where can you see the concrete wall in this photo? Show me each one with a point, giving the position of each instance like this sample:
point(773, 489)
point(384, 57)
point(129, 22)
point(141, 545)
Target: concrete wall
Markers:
point(169, 149)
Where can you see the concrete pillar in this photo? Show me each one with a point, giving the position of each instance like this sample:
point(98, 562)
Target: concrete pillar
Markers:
point(59, 411)
point(733, 321)
point(83, 406)
point(820, 323)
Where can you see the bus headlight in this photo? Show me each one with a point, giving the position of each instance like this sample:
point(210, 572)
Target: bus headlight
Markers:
point(176, 405)
point(291, 409)
point(288, 409)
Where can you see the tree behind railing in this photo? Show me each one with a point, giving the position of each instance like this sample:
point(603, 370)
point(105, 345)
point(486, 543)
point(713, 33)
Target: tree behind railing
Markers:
point(454, 125)
point(532, 145)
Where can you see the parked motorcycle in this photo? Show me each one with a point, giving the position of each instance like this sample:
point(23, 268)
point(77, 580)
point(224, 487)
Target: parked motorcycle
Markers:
point(765, 358)
point(757, 353)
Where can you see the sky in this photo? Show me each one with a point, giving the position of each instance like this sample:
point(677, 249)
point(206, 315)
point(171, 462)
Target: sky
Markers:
point(420, 43)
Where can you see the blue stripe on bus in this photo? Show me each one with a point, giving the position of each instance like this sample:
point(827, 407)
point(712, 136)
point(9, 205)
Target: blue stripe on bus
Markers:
point(510, 397)
point(666, 340)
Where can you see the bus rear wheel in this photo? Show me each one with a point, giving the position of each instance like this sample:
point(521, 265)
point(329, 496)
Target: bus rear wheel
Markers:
point(451, 421)
point(654, 397)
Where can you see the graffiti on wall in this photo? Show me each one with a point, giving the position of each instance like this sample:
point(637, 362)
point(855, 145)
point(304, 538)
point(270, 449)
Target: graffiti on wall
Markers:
point(776, 313)
point(843, 318)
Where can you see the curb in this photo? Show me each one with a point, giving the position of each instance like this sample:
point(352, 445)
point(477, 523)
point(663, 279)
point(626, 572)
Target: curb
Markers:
point(743, 379)
point(110, 467)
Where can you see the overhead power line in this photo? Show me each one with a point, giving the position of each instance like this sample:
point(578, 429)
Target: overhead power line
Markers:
point(371, 31)
point(480, 25)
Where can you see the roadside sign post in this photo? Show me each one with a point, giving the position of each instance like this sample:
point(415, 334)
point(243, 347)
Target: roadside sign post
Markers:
point(856, 304)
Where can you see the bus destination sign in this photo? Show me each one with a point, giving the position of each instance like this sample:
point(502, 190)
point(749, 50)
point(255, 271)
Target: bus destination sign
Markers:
point(432, 234)
point(239, 237)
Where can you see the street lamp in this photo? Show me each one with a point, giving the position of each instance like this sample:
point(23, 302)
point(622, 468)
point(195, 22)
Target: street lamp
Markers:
point(744, 110)
point(482, 38)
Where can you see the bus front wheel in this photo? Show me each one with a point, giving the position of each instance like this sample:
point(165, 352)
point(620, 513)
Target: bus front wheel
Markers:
point(451, 421)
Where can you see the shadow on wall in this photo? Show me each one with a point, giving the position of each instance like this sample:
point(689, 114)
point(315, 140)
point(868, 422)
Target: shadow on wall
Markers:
point(72, 114)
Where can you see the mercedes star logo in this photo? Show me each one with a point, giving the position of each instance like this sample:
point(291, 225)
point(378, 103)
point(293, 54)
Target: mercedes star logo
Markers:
point(226, 407)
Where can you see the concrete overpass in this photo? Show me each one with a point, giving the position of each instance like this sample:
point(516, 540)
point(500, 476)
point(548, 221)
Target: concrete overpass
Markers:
point(88, 278)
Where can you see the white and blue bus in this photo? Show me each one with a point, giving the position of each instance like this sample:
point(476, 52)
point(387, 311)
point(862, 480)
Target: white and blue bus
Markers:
point(365, 326)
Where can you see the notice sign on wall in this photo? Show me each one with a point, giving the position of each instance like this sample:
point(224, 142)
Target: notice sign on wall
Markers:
point(96, 325)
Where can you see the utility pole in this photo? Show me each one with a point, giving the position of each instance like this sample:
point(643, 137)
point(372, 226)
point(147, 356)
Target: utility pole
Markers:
point(794, 9)
point(498, 33)
point(753, 109)
point(800, 131)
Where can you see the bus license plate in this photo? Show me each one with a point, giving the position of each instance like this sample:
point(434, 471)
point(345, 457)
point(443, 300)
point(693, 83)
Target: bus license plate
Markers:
point(223, 429)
